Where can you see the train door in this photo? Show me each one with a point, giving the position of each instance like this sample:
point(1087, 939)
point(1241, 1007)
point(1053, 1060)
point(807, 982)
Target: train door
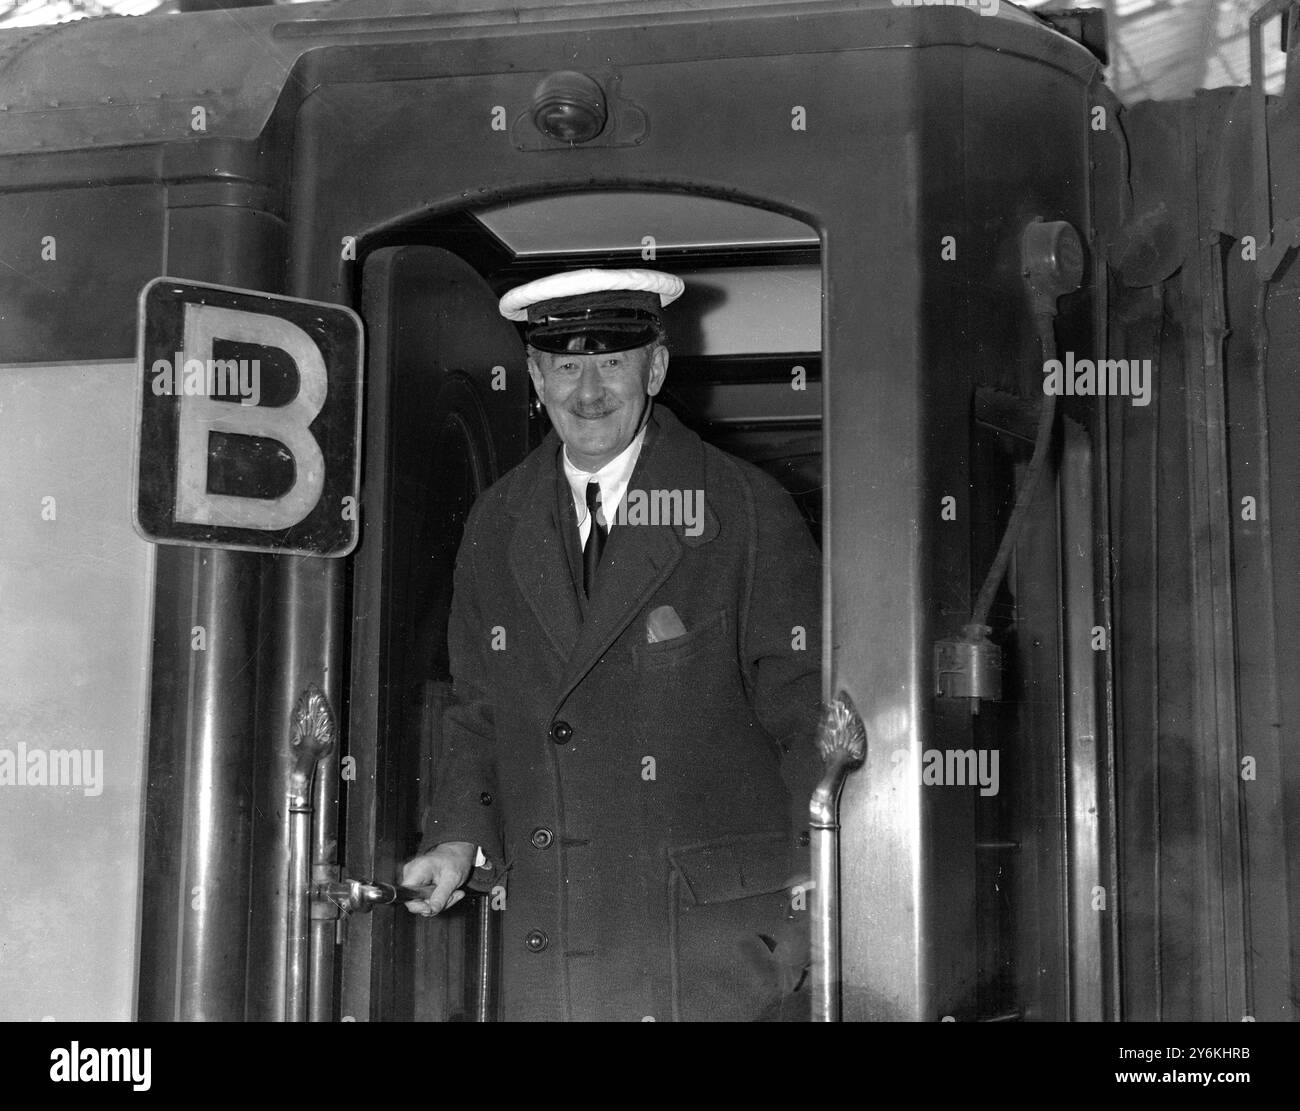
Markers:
point(447, 413)
point(446, 416)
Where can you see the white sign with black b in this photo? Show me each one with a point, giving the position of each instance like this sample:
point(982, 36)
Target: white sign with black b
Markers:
point(249, 420)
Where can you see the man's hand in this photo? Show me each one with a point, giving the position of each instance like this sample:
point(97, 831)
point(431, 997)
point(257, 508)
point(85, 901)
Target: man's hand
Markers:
point(446, 868)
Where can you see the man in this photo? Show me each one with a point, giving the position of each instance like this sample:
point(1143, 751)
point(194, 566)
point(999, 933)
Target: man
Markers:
point(635, 649)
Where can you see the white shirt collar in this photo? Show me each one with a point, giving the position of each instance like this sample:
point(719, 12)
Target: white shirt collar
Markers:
point(613, 478)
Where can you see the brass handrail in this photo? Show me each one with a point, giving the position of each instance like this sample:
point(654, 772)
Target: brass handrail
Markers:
point(312, 737)
point(842, 742)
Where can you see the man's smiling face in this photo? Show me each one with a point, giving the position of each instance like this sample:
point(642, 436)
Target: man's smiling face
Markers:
point(597, 402)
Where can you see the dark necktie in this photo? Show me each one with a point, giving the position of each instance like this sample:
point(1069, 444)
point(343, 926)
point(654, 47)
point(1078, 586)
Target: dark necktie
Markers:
point(595, 545)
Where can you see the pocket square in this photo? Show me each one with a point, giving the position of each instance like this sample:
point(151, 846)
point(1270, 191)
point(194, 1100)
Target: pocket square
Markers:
point(663, 624)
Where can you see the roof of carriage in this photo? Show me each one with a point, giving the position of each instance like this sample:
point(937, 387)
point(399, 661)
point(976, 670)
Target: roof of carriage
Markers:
point(120, 80)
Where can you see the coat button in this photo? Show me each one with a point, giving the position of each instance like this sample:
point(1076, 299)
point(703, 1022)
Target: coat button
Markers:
point(485, 799)
point(536, 941)
point(561, 732)
point(542, 838)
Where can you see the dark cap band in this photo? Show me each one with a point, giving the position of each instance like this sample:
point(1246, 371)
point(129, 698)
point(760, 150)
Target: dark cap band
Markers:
point(595, 323)
point(595, 331)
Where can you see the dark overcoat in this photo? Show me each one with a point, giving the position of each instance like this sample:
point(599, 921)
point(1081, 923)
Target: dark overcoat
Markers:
point(643, 804)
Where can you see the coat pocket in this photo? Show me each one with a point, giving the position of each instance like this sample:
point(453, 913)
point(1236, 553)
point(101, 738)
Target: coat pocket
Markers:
point(734, 867)
point(665, 653)
point(731, 925)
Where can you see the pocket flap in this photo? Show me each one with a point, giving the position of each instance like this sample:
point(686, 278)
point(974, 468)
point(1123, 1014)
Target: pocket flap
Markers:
point(735, 867)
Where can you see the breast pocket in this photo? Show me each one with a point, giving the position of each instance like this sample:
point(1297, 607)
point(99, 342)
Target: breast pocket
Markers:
point(665, 654)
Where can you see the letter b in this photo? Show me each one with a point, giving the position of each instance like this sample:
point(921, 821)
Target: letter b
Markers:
point(289, 424)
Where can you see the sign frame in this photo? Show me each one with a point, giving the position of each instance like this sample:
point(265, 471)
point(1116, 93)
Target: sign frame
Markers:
point(338, 334)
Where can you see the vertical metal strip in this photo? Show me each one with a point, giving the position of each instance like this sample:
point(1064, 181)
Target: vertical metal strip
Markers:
point(1264, 852)
point(1106, 618)
point(1157, 878)
point(1090, 896)
point(210, 713)
point(880, 542)
point(296, 895)
point(324, 859)
point(1210, 539)
point(484, 970)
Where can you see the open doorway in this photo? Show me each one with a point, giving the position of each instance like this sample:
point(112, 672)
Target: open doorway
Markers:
point(449, 411)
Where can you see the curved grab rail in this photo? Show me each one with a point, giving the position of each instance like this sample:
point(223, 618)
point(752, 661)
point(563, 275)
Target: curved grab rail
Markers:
point(313, 734)
point(842, 742)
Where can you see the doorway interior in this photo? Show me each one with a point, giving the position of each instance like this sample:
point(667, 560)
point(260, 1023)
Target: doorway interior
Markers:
point(745, 373)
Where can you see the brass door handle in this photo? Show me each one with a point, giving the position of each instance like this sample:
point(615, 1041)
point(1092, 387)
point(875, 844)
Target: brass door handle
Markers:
point(362, 895)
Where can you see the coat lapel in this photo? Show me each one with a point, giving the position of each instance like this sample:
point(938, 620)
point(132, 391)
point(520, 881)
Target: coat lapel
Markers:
point(538, 557)
point(638, 558)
